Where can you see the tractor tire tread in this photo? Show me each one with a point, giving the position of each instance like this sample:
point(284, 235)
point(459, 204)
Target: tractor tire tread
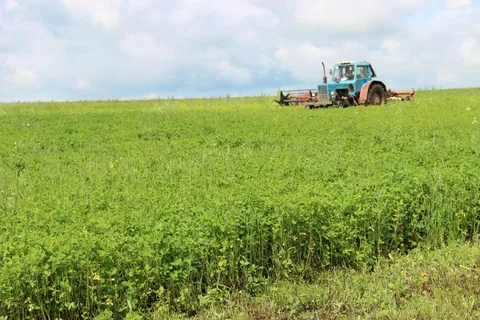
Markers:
point(376, 88)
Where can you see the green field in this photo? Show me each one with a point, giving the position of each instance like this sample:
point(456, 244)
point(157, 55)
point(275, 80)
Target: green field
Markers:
point(123, 207)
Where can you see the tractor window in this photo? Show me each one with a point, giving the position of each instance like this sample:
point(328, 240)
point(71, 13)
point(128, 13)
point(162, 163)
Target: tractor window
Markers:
point(362, 72)
point(344, 73)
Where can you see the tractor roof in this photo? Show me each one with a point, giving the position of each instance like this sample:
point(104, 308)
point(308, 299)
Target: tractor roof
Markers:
point(354, 62)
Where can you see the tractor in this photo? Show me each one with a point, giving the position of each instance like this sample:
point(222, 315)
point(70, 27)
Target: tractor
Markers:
point(352, 83)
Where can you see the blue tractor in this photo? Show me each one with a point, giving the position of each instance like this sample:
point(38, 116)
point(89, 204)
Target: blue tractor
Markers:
point(352, 83)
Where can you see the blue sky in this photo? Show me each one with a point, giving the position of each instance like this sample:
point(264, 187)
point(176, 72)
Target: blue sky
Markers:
point(134, 49)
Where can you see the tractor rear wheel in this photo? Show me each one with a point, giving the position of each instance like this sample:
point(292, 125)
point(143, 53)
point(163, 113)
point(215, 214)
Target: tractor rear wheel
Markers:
point(377, 95)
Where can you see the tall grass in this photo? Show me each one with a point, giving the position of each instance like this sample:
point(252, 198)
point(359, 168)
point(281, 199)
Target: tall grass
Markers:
point(131, 206)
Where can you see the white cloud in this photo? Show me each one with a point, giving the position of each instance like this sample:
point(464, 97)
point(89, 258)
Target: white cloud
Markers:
point(392, 45)
point(219, 20)
point(115, 48)
point(232, 74)
point(228, 12)
point(144, 47)
point(342, 16)
point(82, 85)
point(39, 51)
point(468, 50)
point(11, 5)
point(305, 62)
point(103, 12)
point(411, 3)
point(446, 77)
point(457, 3)
point(24, 79)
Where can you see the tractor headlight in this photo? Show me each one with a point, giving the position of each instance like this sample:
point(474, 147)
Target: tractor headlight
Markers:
point(332, 93)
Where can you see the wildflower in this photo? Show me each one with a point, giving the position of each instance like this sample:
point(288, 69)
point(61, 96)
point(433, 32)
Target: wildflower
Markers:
point(468, 109)
point(96, 276)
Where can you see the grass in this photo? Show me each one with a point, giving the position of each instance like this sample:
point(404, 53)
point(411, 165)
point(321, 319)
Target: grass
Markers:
point(130, 207)
point(440, 284)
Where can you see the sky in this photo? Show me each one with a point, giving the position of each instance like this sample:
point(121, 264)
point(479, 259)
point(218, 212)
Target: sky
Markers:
point(142, 49)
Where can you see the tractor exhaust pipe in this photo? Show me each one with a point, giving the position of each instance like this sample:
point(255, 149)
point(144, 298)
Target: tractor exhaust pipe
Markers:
point(324, 74)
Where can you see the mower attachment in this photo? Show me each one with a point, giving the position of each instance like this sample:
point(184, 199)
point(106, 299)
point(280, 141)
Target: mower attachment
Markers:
point(401, 95)
point(296, 97)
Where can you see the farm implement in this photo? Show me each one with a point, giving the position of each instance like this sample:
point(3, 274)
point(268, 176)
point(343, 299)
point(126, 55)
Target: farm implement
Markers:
point(352, 83)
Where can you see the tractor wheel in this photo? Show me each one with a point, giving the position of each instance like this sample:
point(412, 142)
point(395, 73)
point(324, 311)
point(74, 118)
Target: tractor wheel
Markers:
point(377, 95)
point(309, 106)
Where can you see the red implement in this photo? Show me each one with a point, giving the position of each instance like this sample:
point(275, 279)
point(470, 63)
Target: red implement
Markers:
point(401, 95)
point(296, 97)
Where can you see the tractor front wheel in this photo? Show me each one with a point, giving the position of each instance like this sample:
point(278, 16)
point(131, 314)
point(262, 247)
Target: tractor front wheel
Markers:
point(377, 95)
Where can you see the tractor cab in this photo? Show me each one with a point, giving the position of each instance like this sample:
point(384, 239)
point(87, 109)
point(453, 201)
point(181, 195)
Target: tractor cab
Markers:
point(353, 75)
point(348, 78)
point(347, 71)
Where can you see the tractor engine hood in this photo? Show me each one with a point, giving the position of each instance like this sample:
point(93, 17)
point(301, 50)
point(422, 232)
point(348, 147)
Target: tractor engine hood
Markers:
point(346, 85)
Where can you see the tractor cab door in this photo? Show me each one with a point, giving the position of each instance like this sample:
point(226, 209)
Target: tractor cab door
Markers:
point(363, 74)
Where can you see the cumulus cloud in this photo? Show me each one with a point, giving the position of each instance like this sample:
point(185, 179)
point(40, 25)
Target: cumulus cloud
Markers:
point(11, 5)
point(232, 74)
point(446, 77)
point(103, 12)
point(342, 16)
point(305, 62)
point(468, 50)
point(24, 79)
point(130, 48)
point(82, 85)
point(457, 3)
point(143, 47)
